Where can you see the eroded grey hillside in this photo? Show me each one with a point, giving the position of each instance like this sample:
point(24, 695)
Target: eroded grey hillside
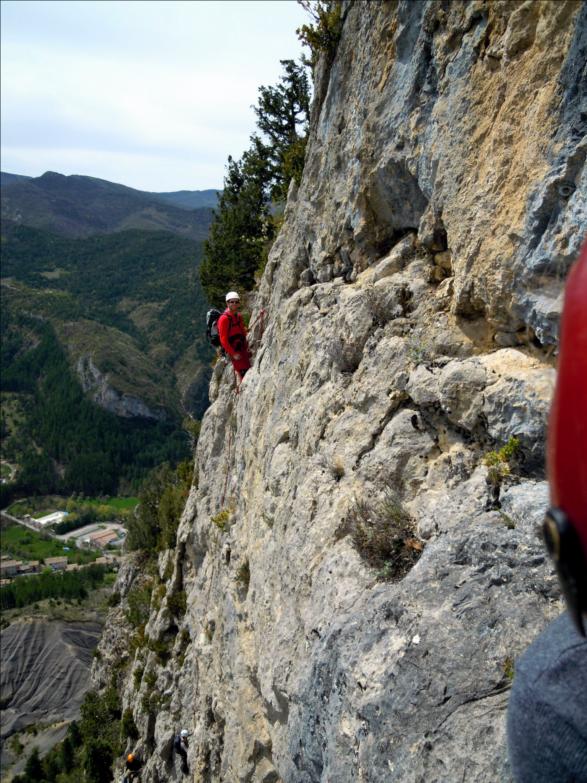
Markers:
point(412, 304)
point(44, 675)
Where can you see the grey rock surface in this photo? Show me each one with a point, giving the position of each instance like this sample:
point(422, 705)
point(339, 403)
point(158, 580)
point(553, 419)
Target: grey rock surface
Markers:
point(44, 671)
point(109, 398)
point(411, 301)
point(44, 675)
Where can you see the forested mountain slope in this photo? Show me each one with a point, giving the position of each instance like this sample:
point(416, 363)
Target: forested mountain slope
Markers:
point(78, 206)
point(189, 199)
point(9, 179)
point(96, 314)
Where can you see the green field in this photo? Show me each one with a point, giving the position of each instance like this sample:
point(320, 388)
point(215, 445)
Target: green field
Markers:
point(39, 506)
point(23, 544)
point(119, 504)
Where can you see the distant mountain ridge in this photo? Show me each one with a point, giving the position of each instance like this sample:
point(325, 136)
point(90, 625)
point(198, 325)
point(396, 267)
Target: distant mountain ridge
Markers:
point(188, 199)
point(10, 179)
point(80, 206)
point(103, 326)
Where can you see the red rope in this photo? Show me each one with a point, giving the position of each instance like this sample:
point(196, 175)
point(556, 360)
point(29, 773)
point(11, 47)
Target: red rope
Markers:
point(262, 313)
point(227, 466)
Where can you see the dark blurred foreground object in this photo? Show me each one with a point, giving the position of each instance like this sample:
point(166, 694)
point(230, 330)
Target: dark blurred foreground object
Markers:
point(547, 713)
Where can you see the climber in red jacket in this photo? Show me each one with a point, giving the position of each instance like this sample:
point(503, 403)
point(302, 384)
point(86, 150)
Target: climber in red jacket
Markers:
point(233, 335)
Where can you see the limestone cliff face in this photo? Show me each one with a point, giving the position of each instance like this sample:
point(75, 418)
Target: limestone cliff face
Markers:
point(412, 303)
point(109, 398)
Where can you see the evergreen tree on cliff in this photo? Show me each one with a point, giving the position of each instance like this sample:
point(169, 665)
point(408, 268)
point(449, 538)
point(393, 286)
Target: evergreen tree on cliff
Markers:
point(282, 116)
point(241, 227)
point(244, 225)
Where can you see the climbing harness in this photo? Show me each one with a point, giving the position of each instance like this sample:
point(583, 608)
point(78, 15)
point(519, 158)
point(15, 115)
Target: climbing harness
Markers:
point(261, 320)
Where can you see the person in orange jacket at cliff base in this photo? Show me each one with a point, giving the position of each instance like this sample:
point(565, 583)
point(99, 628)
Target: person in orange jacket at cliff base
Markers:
point(233, 335)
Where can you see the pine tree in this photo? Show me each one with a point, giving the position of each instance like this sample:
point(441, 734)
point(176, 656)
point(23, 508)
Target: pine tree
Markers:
point(67, 754)
point(282, 116)
point(243, 228)
point(34, 767)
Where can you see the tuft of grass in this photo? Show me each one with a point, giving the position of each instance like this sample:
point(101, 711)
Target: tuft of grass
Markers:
point(161, 648)
point(383, 534)
point(499, 462)
point(507, 520)
point(168, 573)
point(157, 597)
point(508, 668)
point(418, 349)
point(222, 519)
point(139, 604)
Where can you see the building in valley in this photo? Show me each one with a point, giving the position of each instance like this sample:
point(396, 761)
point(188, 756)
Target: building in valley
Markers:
point(56, 563)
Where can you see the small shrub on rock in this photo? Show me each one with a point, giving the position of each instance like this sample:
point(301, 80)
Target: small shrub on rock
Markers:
point(16, 746)
point(128, 727)
point(323, 33)
point(499, 463)
point(177, 603)
point(139, 604)
point(221, 519)
point(508, 668)
point(383, 534)
point(137, 676)
point(161, 648)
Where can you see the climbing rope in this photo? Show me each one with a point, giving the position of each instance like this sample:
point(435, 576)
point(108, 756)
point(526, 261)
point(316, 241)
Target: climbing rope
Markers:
point(260, 317)
point(228, 459)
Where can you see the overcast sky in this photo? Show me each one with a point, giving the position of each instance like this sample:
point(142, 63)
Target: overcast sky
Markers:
point(154, 95)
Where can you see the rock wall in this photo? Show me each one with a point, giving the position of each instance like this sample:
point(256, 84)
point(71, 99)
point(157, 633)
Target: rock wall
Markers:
point(412, 300)
point(106, 396)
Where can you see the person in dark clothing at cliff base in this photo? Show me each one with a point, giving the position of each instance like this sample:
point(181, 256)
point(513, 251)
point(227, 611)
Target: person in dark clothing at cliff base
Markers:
point(133, 767)
point(180, 745)
point(233, 335)
point(547, 713)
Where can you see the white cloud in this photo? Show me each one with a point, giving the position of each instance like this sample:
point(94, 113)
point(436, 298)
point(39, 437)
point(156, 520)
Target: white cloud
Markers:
point(118, 82)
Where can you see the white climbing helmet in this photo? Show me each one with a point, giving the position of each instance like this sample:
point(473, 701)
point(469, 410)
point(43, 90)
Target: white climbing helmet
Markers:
point(232, 295)
point(184, 733)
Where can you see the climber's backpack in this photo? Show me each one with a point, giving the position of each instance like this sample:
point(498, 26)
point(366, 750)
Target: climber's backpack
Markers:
point(212, 317)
